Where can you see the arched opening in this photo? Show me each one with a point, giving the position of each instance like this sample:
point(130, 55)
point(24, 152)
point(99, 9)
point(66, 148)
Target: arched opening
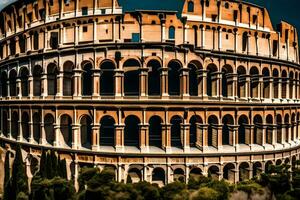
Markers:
point(269, 130)
point(24, 74)
point(194, 66)
point(178, 175)
point(36, 127)
point(132, 131)
point(227, 81)
point(275, 83)
point(14, 125)
point(244, 171)
point(254, 82)
point(212, 80)
point(284, 81)
point(36, 40)
point(227, 135)
point(13, 83)
point(155, 131)
point(3, 80)
point(213, 172)
point(278, 162)
point(291, 85)
point(293, 126)
point(171, 33)
point(266, 83)
point(174, 78)
point(25, 126)
point(37, 80)
point(87, 79)
point(86, 131)
point(107, 131)
point(195, 121)
point(212, 131)
point(279, 128)
point(134, 176)
point(107, 78)
point(131, 78)
point(195, 173)
point(245, 42)
point(66, 129)
point(258, 130)
point(158, 176)
point(154, 85)
point(5, 124)
point(229, 172)
point(52, 73)
point(190, 6)
point(49, 129)
point(243, 137)
point(241, 92)
point(287, 126)
point(257, 169)
point(68, 86)
point(268, 167)
point(176, 139)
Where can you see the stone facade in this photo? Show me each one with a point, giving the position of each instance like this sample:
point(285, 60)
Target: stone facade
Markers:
point(155, 95)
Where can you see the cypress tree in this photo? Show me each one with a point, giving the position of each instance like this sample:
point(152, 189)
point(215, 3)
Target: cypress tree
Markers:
point(63, 168)
point(19, 178)
point(49, 168)
point(7, 195)
point(43, 170)
point(54, 163)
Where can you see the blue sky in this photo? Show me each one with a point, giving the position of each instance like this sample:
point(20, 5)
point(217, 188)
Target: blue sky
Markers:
point(286, 10)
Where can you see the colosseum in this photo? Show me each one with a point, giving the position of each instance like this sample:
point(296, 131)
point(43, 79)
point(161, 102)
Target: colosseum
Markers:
point(155, 95)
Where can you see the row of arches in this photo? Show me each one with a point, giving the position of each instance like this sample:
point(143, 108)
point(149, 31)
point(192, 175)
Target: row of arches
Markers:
point(193, 132)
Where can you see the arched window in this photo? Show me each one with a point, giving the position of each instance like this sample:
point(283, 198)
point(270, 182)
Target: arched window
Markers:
point(193, 78)
point(211, 80)
point(191, 6)
point(36, 40)
point(212, 131)
point(269, 131)
point(227, 135)
point(226, 82)
point(258, 130)
point(241, 92)
point(287, 124)
point(176, 140)
point(87, 80)
point(49, 129)
point(68, 88)
point(242, 132)
point(279, 129)
point(131, 78)
point(3, 84)
point(25, 126)
point(24, 82)
point(159, 176)
point(275, 83)
point(13, 83)
point(154, 78)
point(107, 80)
point(171, 33)
point(107, 131)
point(254, 82)
point(52, 73)
point(86, 131)
point(66, 129)
point(15, 125)
point(291, 85)
point(195, 121)
point(228, 172)
point(266, 83)
point(174, 78)
point(284, 80)
point(5, 124)
point(245, 41)
point(37, 83)
point(155, 131)
point(131, 131)
point(36, 127)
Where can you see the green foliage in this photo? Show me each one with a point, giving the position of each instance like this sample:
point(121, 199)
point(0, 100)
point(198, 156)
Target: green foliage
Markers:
point(206, 193)
point(175, 190)
point(147, 191)
point(7, 184)
point(43, 166)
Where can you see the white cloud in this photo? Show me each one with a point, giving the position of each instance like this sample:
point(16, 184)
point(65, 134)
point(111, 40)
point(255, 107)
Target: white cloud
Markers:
point(4, 3)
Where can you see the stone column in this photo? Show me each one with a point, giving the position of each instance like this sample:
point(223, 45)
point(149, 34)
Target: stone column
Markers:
point(205, 138)
point(43, 133)
point(96, 81)
point(8, 48)
point(77, 83)
point(119, 137)
point(44, 81)
point(30, 123)
point(95, 136)
point(271, 92)
point(143, 82)
point(95, 31)
point(166, 137)
point(202, 37)
point(19, 88)
point(45, 38)
point(144, 137)
point(219, 85)
point(185, 82)
point(119, 76)
point(186, 137)
point(75, 136)
point(279, 88)
point(260, 87)
point(220, 142)
point(20, 135)
point(17, 44)
point(76, 34)
point(163, 30)
point(247, 87)
point(164, 82)
point(235, 86)
point(204, 84)
point(57, 135)
point(30, 83)
point(219, 38)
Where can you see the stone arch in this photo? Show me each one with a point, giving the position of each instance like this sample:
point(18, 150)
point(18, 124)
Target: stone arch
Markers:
point(66, 129)
point(287, 126)
point(174, 67)
point(107, 131)
point(194, 66)
point(227, 134)
point(195, 134)
point(131, 131)
point(159, 176)
point(13, 83)
point(213, 171)
point(293, 126)
point(241, 92)
point(3, 81)
point(135, 175)
point(258, 130)
point(25, 126)
point(37, 127)
point(195, 173)
point(284, 81)
point(266, 83)
point(245, 42)
point(86, 131)
point(244, 171)
point(243, 134)
point(278, 162)
point(254, 73)
point(154, 79)
point(131, 77)
point(279, 128)
point(24, 75)
point(14, 125)
point(276, 83)
point(52, 73)
point(212, 131)
point(178, 174)
point(257, 169)
point(176, 133)
point(37, 80)
point(49, 128)
point(87, 78)
point(227, 81)
point(229, 172)
point(269, 129)
point(212, 73)
point(68, 80)
point(107, 79)
point(155, 131)
point(268, 164)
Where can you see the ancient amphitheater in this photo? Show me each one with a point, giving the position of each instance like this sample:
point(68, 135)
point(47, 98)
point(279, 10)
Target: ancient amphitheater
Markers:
point(154, 95)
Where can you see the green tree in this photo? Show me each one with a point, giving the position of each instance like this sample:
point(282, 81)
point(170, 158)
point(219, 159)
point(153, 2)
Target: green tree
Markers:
point(205, 193)
point(7, 183)
point(43, 164)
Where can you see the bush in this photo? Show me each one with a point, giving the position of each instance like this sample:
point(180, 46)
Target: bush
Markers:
point(206, 193)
